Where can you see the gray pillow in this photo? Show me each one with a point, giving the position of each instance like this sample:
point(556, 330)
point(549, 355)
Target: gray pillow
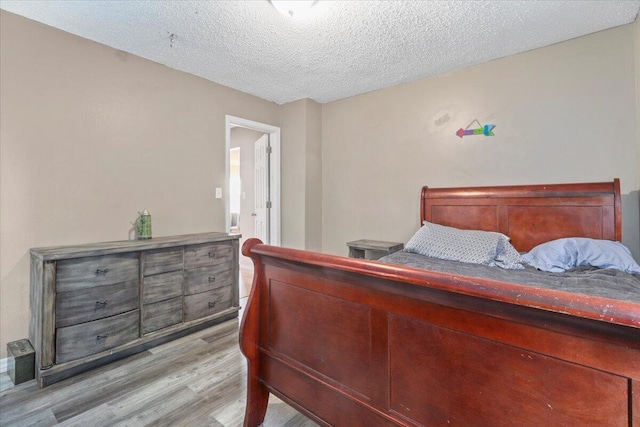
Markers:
point(472, 246)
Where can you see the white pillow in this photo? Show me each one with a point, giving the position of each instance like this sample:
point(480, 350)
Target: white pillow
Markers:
point(562, 254)
point(472, 246)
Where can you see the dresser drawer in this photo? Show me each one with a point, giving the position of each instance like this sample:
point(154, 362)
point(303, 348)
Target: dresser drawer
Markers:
point(206, 303)
point(162, 261)
point(77, 341)
point(162, 286)
point(84, 305)
point(81, 273)
point(207, 278)
point(161, 314)
point(207, 255)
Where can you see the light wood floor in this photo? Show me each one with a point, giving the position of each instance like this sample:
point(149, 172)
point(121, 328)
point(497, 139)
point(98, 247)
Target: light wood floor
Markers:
point(198, 380)
point(245, 282)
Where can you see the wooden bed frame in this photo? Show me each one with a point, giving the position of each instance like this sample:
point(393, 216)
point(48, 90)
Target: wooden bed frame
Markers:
point(350, 342)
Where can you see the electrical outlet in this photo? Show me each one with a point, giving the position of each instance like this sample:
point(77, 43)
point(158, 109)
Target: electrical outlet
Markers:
point(218, 193)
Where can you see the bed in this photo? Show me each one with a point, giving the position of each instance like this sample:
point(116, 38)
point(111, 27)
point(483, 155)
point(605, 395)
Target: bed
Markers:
point(351, 342)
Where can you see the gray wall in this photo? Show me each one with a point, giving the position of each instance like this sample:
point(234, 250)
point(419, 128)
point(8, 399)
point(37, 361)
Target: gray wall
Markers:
point(564, 113)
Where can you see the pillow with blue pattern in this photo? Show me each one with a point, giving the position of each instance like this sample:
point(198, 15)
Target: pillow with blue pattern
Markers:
point(472, 246)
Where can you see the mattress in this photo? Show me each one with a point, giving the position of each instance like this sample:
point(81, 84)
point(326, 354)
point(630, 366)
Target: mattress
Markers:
point(605, 283)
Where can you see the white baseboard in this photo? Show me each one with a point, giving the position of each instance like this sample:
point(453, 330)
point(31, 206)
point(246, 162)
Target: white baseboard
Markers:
point(3, 365)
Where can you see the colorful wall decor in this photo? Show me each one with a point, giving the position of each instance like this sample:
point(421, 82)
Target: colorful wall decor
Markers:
point(486, 130)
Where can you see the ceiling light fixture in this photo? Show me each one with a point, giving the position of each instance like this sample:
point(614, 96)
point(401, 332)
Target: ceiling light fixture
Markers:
point(293, 8)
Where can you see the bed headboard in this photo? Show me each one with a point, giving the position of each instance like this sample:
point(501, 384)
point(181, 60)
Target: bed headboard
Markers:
point(529, 214)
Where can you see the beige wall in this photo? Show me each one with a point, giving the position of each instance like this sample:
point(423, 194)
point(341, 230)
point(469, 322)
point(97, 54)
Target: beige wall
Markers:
point(292, 176)
point(89, 136)
point(301, 175)
point(636, 25)
point(313, 177)
point(564, 113)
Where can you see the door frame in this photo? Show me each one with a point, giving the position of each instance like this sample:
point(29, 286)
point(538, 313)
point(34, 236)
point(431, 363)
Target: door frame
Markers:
point(274, 171)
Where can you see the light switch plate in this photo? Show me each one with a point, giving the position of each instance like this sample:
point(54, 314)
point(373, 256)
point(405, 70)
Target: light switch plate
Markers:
point(218, 193)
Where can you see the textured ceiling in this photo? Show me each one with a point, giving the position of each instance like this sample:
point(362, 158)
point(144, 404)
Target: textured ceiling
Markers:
point(345, 48)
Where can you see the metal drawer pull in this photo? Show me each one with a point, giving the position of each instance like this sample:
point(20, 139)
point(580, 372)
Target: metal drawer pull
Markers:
point(101, 304)
point(102, 272)
point(212, 304)
point(212, 254)
point(212, 279)
point(100, 338)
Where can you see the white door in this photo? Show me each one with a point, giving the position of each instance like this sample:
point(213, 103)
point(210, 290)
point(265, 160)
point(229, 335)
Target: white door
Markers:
point(261, 208)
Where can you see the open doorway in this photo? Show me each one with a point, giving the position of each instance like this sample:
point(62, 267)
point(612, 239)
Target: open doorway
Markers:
point(235, 187)
point(252, 199)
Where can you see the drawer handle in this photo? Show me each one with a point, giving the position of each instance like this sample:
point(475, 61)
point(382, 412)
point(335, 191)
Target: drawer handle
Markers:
point(212, 304)
point(102, 271)
point(212, 254)
point(101, 304)
point(101, 338)
point(212, 279)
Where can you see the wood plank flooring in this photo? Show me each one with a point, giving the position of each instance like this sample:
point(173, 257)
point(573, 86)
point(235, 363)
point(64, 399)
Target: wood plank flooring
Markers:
point(245, 282)
point(198, 380)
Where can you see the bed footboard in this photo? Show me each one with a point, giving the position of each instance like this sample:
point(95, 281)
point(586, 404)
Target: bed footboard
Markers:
point(357, 343)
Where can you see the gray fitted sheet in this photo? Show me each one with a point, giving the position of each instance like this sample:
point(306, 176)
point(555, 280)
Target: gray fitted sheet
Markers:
point(607, 283)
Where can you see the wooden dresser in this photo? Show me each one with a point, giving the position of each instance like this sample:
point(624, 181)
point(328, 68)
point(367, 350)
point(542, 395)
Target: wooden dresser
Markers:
point(92, 304)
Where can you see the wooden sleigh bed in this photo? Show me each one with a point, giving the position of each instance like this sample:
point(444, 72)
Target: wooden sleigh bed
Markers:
point(350, 342)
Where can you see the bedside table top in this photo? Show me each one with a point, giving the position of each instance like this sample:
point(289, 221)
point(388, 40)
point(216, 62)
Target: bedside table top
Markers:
point(375, 245)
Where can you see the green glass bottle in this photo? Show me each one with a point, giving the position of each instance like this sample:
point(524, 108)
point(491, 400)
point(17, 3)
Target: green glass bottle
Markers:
point(143, 225)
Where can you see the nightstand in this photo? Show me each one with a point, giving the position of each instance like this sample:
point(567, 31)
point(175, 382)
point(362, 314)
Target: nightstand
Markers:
point(372, 249)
